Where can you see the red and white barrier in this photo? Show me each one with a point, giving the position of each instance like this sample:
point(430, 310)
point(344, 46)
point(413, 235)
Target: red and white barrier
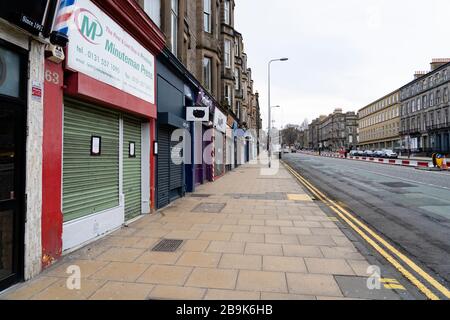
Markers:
point(395, 162)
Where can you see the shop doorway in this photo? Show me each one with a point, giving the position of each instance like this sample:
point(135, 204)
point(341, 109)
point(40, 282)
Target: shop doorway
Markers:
point(12, 164)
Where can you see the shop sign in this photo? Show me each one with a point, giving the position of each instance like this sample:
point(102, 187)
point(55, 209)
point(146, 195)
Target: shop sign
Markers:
point(220, 121)
point(32, 16)
point(101, 49)
point(197, 114)
point(230, 121)
point(204, 100)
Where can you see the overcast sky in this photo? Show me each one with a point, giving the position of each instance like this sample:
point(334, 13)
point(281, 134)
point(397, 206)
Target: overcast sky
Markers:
point(343, 53)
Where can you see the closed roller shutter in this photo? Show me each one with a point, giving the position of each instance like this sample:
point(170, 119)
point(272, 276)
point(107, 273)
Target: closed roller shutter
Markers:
point(163, 167)
point(176, 170)
point(132, 167)
point(90, 183)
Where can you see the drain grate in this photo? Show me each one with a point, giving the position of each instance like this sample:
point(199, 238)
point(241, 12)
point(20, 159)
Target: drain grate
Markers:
point(168, 245)
point(200, 195)
point(398, 185)
point(209, 207)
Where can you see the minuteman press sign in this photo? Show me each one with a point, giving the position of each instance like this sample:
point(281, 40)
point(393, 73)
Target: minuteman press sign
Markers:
point(101, 49)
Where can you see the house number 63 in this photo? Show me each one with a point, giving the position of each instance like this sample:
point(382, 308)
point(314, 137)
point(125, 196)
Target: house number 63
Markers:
point(52, 77)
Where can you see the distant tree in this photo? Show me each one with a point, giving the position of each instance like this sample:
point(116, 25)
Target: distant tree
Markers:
point(290, 135)
point(305, 125)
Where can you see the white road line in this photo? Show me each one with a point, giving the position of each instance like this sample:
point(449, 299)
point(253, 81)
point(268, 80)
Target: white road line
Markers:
point(390, 176)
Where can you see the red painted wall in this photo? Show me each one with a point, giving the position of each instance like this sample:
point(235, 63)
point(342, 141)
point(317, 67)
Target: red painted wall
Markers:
point(52, 219)
point(130, 16)
point(81, 86)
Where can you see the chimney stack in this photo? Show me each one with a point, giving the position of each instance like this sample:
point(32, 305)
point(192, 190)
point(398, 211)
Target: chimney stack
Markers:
point(436, 63)
point(419, 74)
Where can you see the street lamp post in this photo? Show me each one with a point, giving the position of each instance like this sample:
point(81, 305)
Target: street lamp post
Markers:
point(270, 112)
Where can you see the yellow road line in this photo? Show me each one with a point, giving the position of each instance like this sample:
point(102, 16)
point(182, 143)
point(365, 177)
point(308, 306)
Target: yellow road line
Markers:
point(430, 295)
point(389, 280)
point(405, 259)
point(394, 287)
point(344, 213)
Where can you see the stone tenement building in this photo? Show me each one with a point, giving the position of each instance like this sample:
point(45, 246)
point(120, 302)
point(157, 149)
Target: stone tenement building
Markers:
point(379, 123)
point(425, 126)
point(201, 34)
point(313, 131)
point(338, 131)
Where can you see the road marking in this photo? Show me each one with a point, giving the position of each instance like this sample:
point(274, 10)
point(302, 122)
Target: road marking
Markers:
point(347, 217)
point(404, 179)
point(386, 280)
point(394, 287)
point(299, 197)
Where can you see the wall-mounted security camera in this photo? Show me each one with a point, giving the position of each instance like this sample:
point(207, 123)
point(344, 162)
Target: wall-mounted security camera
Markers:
point(54, 53)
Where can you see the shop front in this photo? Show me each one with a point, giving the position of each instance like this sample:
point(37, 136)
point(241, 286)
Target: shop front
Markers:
point(202, 144)
point(13, 111)
point(24, 34)
point(175, 94)
point(230, 154)
point(106, 113)
point(220, 130)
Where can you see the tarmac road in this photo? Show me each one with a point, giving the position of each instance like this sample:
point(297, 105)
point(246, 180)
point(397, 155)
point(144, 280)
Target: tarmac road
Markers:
point(410, 208)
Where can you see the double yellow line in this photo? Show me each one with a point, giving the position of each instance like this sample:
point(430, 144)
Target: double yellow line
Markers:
point(377, 242)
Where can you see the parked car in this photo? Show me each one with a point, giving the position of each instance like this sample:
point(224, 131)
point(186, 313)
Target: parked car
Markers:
point(379, 154)
point(354, 153)
point(390, 154)
point(368, 153)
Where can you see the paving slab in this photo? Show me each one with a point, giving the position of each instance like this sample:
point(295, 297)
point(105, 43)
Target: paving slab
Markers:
point(245, 237)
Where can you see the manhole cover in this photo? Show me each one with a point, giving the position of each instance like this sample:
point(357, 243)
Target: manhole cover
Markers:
point(209, 207)
point(167, 245)
point(398, 185)
point(200, 195)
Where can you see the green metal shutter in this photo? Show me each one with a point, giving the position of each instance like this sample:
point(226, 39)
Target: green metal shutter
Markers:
point(132, 167)
point(90, 183)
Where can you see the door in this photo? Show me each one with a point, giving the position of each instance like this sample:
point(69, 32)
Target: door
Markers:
point(132, 169)
point(12, 164)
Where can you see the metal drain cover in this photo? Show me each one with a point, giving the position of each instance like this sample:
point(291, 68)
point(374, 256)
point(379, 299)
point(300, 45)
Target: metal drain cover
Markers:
point(210, 207)
point(200, 195)
point(398, 185)
point(168, 245)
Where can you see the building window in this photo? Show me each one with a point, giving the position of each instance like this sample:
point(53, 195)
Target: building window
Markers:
point(207, 12)
point(174, 25)
point(445, 95)
point(228, 94)
point(431, 99)
point(227, 54)
point(236, 47)
point(424, 101)
point(227, 11)
point(207, 74)
point(237, 79)
point(438, 97)
point(153, 10)
point(419, 107)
